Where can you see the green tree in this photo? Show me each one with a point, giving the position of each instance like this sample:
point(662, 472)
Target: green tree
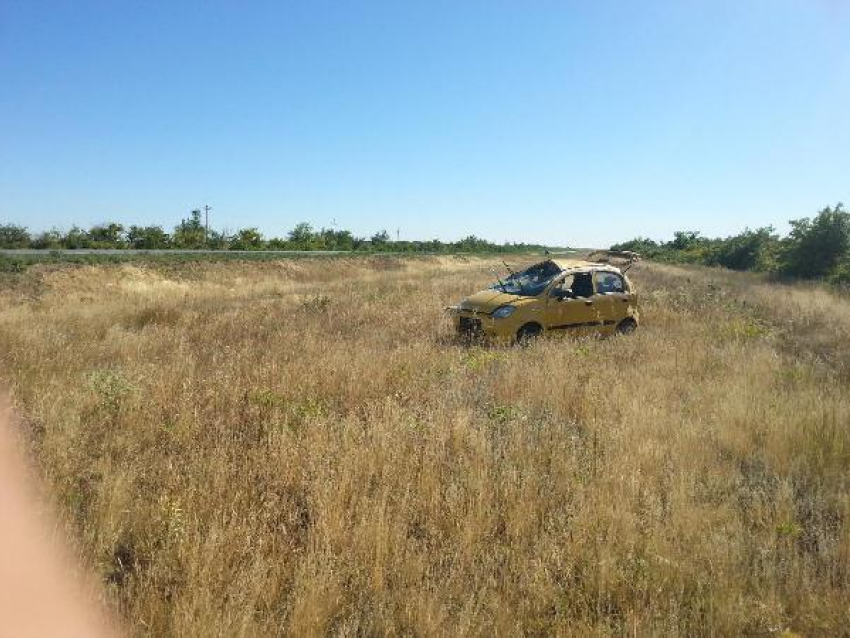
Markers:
point(147, 237)
point(301, 237)
point(76, 238)
point(12, 236)
point(435, 246)
point(217, 240)
point(48, 240)
point(247, 239)
point(108, 235)
point(685, 240)
point(751, 250)
point(380, 240)
point(337, 239)
point(817, 247)
point(190, 232)
point(472, 244)
point(641, 245)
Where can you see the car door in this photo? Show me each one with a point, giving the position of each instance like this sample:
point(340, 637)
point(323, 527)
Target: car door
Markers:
point(612, 298)
point(570, 305)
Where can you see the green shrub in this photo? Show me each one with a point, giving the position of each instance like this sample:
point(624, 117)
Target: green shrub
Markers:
point(817, 247)
point(12, 265)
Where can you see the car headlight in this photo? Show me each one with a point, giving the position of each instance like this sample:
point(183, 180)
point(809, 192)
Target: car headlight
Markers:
point(502, 312)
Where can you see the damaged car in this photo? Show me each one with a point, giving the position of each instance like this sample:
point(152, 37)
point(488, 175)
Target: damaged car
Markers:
point(552, 296)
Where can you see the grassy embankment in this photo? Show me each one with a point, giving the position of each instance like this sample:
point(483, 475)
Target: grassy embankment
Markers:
point(15, 262)
point(19, 261)
point(253, 448)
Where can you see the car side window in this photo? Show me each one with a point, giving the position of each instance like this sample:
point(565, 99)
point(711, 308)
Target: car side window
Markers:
point(563, 289)
point(583, 285)
point(607, 282)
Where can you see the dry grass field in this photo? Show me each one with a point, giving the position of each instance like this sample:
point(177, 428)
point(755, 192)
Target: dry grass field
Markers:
point(302, 448)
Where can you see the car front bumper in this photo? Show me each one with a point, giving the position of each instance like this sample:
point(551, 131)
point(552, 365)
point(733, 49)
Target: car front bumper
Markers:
point(472, 324)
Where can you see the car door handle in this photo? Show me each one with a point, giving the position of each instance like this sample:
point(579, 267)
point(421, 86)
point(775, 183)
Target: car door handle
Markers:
point(588, 303)
point(625, 300)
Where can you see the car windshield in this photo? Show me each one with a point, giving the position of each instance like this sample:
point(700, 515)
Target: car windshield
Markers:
point(529, 282)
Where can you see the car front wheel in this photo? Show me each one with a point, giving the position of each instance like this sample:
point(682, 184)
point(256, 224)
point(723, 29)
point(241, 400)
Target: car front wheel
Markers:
point(528, 333)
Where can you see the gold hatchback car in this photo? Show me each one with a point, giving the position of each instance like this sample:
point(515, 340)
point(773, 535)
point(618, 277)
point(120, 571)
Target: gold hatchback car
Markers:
point(578, 297)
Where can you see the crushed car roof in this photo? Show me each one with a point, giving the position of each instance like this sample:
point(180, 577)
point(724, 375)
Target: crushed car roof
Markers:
point(573, 264)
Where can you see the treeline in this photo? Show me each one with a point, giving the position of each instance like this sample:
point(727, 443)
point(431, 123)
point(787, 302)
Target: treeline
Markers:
point(191, 233)
point(816, 248)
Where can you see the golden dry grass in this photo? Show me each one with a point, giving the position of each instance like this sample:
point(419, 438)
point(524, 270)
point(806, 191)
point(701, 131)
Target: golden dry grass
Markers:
point(300, 447)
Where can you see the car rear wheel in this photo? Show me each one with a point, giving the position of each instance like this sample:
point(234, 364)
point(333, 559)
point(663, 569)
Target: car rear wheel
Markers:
point(528, 333)
point(626, 327)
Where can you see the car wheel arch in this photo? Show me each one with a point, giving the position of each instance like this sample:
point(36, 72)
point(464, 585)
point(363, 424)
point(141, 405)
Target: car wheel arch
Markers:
point(529, 329)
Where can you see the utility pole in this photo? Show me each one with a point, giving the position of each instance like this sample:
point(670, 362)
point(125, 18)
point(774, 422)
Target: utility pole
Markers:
point(397, 234)
point(207, 210)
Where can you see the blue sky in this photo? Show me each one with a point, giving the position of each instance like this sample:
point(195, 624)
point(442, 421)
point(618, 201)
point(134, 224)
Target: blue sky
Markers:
point(577, 123)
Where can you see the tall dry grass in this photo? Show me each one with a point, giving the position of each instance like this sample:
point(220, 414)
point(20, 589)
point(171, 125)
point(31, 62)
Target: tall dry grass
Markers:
point(300, 447)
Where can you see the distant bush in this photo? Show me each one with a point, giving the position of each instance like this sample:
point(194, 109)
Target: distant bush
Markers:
point(816, 248)
point(646, 247)
point(12, 236)
point(148, 238)
point(247, 239)
point(192, 233)
point(751, 250)
point(8, 265)
point(819, 247)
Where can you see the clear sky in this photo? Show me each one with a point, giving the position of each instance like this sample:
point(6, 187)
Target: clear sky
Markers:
point(562, 122)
